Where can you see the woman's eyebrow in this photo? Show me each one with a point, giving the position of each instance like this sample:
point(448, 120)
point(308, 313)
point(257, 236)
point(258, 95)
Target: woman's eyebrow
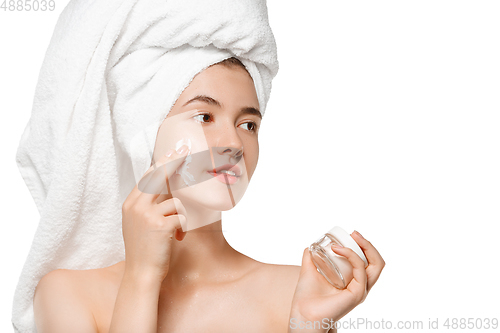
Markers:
point(211, 101)
point(205, 99)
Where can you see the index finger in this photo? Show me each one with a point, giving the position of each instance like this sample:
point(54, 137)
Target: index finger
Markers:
point(375, 261)
point(154, 181)
point(372, 255)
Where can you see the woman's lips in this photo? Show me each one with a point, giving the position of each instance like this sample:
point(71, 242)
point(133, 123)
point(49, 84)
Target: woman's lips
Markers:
point(231, 167)
point(224, 177)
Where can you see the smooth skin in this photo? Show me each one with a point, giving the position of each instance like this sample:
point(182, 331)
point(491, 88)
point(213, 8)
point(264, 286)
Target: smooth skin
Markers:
point(175, 281)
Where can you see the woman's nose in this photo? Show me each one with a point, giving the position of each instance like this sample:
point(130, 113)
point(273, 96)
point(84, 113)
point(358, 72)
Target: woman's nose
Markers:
point(231, 151)
point(229, 143)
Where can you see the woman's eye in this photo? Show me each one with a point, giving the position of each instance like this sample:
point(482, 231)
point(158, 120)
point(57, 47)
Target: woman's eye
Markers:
point(205, 117)
point(253, 126)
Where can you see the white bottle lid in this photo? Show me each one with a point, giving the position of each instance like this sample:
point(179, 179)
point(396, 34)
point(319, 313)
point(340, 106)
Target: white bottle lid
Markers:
point(347, 241)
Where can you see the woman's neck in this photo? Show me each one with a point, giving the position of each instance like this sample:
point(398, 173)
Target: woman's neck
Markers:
point(203, 256)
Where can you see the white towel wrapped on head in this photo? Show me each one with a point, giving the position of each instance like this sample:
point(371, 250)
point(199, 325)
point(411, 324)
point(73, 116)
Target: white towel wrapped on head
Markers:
point(111, 74)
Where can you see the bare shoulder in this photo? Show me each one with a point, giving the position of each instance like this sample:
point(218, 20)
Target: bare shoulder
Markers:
point(284, 274)
point(277, 285)
point(61, 283)
point(285, 271)
point(60, 304)
point(83, 283)
point(281, 282)
point(79, 294)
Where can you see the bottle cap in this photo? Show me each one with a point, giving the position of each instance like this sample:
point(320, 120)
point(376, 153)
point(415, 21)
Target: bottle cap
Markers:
point(347, 241)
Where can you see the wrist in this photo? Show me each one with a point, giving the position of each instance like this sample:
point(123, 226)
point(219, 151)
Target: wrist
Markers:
point(142, 279)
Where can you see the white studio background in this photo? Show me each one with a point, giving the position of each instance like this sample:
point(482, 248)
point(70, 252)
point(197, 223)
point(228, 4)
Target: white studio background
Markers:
point(384, 118)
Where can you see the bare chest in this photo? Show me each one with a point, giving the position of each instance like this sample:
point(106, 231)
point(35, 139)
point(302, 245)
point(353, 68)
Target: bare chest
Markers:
point(221, 312)
point(232, 308)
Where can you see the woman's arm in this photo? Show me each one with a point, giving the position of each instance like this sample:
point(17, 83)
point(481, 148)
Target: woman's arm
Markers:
point(136, 307)
point(148, 228)
point(59, 305)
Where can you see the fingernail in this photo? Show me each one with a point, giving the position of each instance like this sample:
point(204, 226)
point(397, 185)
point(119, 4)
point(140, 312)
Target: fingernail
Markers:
point(169, 153)
point(182, 149)
point(359, 234)
point(336, 246)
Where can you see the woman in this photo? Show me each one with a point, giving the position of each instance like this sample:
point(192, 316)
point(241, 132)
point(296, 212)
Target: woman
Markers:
point(196, 281)
point(178, 273)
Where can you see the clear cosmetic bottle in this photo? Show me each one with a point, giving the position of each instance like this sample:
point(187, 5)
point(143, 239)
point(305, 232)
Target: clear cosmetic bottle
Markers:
point(336, 269)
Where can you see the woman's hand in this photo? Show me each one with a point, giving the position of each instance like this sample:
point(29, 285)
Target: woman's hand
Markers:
point(149, 224)
point(317, 300)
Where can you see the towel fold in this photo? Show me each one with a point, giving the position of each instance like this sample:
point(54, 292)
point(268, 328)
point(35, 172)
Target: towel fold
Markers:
point(111, 74)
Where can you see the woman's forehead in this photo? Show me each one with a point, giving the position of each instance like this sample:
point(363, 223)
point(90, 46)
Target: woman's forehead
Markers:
point(219, 87)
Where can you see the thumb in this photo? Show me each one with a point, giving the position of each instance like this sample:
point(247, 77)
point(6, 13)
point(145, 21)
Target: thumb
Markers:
point(158, 174)
point(307, 263)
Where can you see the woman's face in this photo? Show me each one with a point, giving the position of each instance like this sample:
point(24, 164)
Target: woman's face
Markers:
point(218, 115)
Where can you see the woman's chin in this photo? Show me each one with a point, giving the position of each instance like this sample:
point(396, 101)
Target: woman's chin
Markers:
point(221, 206)
point(212, 194)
